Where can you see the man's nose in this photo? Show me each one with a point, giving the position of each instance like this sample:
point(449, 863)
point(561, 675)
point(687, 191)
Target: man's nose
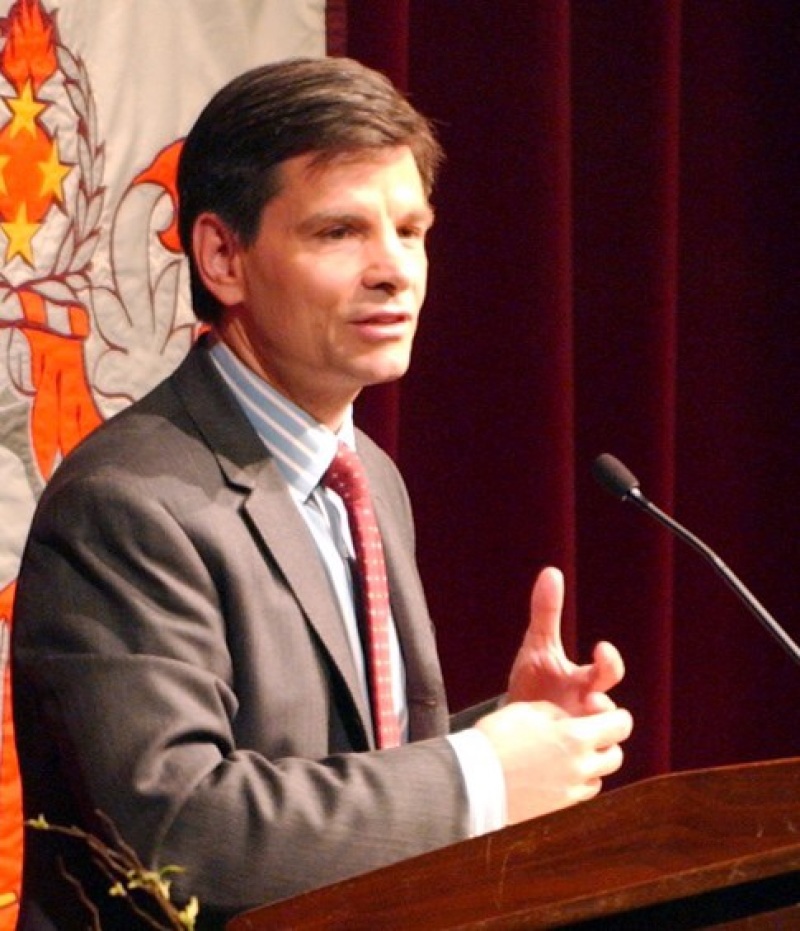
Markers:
point(390, 262)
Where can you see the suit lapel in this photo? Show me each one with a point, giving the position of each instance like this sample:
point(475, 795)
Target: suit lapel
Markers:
point(276, 520)
point(427, 705)
point(273, 516)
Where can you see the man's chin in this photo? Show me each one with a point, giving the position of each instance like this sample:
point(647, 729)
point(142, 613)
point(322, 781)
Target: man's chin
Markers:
point(384, 371)
point(384, 377)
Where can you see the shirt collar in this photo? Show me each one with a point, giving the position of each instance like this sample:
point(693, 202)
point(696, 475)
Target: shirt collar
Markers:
point(302, 447)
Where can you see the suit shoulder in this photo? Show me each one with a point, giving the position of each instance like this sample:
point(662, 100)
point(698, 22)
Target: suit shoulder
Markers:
point(372, 454)
point(149, 428)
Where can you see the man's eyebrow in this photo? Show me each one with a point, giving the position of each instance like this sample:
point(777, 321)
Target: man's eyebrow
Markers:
point(326, 217)
point(346, 215)
point(426, 215)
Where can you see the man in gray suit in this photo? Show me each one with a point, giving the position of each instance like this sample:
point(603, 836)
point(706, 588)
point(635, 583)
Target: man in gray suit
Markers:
point(188, 654)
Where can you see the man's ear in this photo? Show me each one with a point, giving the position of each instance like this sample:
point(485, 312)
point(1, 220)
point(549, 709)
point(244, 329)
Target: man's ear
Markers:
point(216, 250)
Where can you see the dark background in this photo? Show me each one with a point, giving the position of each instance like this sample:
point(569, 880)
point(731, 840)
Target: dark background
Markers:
point(614, 268)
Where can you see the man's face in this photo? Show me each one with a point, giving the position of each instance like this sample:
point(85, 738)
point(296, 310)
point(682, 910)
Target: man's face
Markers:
point(331, 288)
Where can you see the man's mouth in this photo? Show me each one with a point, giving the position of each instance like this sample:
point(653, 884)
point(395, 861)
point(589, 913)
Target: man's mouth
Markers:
point(383, 324)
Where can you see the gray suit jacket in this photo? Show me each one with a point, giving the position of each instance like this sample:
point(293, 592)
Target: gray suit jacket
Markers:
point(180, 665)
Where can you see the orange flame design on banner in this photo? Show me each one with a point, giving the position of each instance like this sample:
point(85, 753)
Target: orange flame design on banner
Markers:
point(10, 791)
point(32, 175)
point(164, 171)
point(31, 184)
point(28, 60)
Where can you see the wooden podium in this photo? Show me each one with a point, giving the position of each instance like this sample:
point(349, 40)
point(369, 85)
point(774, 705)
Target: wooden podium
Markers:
point(709, 848)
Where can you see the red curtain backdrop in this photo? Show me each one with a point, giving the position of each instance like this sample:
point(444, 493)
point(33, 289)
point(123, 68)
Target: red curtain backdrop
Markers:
point(614, 268)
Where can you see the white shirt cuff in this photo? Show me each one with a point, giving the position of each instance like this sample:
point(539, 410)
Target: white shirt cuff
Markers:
point(483, 780)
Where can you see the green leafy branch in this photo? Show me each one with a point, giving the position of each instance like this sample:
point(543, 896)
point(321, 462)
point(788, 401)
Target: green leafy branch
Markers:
point(127, 876)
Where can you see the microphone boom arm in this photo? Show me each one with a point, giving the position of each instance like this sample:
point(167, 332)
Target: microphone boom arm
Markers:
point(635, 496)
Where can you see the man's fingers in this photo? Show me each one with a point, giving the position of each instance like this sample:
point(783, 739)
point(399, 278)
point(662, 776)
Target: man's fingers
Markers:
point(603, 729)
point(609, 761)
point(608, 668)
point(547, 603)
point(607, 727)
point(595, 702)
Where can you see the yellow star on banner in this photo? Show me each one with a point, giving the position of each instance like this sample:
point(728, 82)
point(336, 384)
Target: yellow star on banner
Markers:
point(53, 173)
point(4, 160)
point(20, 233)
point(25, 108)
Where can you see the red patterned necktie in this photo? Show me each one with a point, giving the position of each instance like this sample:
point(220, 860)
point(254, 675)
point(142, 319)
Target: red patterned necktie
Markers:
point(346, 476)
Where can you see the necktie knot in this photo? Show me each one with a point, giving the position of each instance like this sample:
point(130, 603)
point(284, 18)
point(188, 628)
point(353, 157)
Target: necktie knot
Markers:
point(346, 476)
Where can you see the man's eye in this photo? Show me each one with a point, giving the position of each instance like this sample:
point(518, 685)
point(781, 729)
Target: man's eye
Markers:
point(337, 232)
point(412, 232)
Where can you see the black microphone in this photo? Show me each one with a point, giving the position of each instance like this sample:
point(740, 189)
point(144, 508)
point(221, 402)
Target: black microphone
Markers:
point(621, 482)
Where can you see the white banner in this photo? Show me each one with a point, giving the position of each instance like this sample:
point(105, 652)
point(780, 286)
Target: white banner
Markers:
point(96, 96)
